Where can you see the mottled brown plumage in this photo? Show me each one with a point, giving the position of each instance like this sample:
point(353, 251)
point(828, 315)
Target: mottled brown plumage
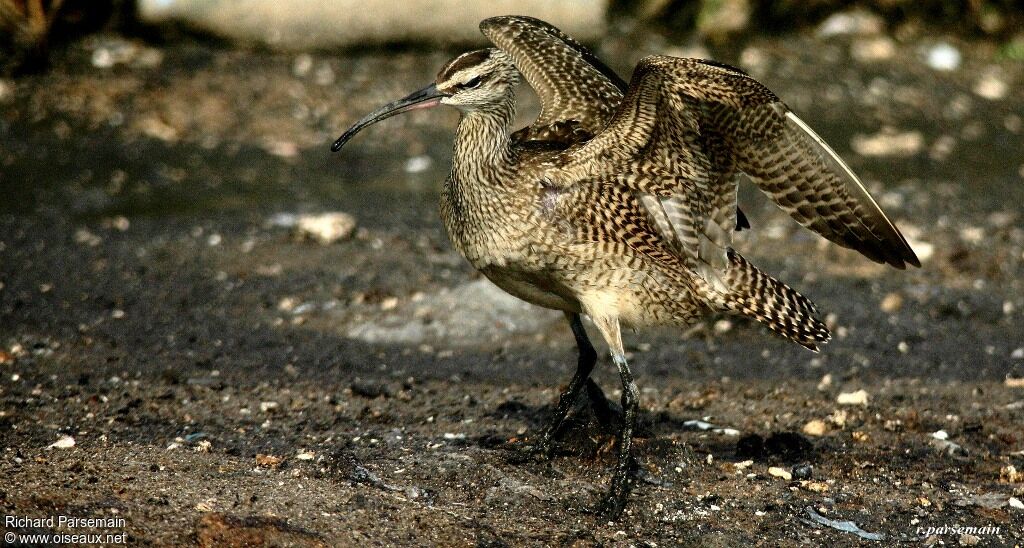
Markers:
point(619, 202)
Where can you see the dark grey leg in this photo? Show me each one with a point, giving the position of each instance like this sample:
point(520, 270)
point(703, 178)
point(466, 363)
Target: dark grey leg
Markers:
point(621, 481)
point(585, 365)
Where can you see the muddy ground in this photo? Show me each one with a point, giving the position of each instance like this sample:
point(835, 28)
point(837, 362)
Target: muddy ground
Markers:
point(226, 383)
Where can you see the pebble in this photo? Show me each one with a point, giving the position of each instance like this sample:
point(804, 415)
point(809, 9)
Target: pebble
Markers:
point(281, 149)
point(850, 22)
point(816, 427)
point(1016, 503)
point(991, 87)
point(815, 486)
point(891, 303)
point(1009, 474)
point(305, 455)
point(268, 461)
point(969, 540)
point(948, 448)
point(325, 228)
point(324, 75)
point(859, 397)
point(302, 65)
point(888, 143)
point(65, 442)
point(1018, 353)
point(803, 471)
point(6, 90)
point(418, 164)
point(869, 50)
point(924, 250)
point(780, 473)
point(825, 382)
point(943, 56)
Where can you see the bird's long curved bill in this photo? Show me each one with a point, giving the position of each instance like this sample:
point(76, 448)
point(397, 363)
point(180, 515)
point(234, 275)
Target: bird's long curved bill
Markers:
point(424, 98)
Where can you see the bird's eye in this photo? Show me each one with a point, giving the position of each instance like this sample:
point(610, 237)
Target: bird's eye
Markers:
point(472, 83)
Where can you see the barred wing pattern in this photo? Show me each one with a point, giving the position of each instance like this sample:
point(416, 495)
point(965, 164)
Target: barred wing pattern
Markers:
point(578, 93)
point(699, 122)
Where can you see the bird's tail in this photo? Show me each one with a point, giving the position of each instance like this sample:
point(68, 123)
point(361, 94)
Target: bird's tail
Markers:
point(756, 295)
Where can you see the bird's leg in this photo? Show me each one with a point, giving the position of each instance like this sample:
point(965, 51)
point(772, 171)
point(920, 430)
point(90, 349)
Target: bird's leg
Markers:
point(587, 359)
point(621, 481)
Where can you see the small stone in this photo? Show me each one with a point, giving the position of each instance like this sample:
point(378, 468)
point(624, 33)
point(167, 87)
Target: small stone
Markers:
point(815, 486)
point(65, 442)
point(924, 250)
point(873, 49)
point(825, 382)
point(1014, 382)
point(969, 540)
point(6, 90)
point(418, 164)
point(1016, 503)
point(742, 465)
point(816, 427)
point(859, 397)
point(888, 143)
point(891, 303)
point(266, 406)
point(324, 75)
point(803, 471)
point(943, 56)
point(1009, 474)
point(84, 236)
point(860, 436)
point(719, 19)
point(268, 461)
point(325, 228)
point(305, 455)
point(948, 448)
point(940, 435)
point(992, 87)
point(370, 390)
point(850, 22)
point(302, 64)
point(158, 129)
point(281, 148)
point(780, 473)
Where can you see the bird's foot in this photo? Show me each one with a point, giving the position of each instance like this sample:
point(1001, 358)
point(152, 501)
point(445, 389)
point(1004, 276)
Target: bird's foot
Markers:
point(613, 503)
point(538, 452)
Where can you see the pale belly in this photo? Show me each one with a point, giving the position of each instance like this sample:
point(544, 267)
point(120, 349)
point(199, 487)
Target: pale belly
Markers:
point(537, 287)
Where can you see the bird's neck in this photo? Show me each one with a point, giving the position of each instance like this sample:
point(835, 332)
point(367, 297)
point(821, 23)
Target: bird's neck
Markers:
point(482, 145)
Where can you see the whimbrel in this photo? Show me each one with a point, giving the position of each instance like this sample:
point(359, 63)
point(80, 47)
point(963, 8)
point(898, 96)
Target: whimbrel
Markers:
point(619, 201)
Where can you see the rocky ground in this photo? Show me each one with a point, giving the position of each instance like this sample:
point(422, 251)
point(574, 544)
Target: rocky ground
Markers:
point(171, 353)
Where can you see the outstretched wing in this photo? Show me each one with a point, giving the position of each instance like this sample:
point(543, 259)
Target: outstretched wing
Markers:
point(578, 93)
point(684, 130)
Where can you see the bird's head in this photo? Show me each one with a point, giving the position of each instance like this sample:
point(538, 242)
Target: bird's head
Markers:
point(477, 80)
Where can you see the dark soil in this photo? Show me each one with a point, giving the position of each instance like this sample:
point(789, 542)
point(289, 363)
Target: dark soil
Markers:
point(202, 358)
